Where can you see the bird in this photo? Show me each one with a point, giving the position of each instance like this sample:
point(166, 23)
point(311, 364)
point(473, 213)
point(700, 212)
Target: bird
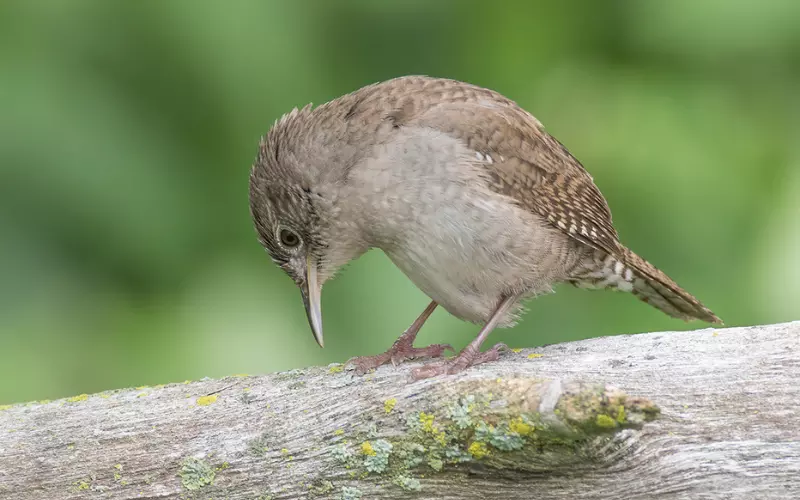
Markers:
point(462, 189)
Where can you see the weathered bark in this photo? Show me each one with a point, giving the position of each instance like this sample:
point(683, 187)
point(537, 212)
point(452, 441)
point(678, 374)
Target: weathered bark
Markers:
point(539, 423)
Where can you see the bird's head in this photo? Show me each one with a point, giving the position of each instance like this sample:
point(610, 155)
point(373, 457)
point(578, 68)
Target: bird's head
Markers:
point(295, 186)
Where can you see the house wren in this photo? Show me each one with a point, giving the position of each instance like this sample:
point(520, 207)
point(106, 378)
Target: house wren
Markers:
point(461, 188)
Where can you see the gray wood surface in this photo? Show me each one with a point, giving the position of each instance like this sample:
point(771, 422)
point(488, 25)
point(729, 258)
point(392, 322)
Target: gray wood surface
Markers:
point(572, 421)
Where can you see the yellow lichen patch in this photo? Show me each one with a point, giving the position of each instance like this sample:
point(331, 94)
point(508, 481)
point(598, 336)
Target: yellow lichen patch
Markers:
point(240, 375)
point(141, 387)
point(336, 368)
point(427, 425)
point(520, 427)
point(104, 395)
point(78, 398)
point(388, 405)
point(426, 420)
point(206, 400)
point(141, 395)
point(81, 485)
point(5, 407)
point(478, 450)
point(367, 449)
point(715, 334)
point(516, 350)
point(605, 422)
point(621, 414)
point(534, 355)
point(338, 432)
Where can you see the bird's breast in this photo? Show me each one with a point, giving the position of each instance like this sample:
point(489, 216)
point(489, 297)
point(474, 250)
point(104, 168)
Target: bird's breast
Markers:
point(427, 205)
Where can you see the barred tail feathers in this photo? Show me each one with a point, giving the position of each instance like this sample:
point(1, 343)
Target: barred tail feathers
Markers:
point(630, 273)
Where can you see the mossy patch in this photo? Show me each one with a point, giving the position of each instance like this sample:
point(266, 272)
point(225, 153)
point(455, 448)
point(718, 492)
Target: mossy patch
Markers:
point(496, 423)
point(82, 485)
point(259, 446)
point(196, 473)
point(605, 422)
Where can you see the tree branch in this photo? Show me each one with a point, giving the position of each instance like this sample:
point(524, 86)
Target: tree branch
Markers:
point(570, 421)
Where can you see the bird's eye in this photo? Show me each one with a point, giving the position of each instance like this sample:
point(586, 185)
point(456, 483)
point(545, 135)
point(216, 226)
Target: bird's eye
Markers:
point(289, 238)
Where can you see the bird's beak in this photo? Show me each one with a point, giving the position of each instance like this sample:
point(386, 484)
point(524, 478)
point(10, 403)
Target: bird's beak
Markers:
point(311, 300)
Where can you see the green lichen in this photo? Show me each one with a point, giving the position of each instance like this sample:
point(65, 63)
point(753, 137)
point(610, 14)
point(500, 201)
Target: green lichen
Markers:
point(407, 483)
point(376, 455)
point(349, 493)
point(496, 423)
point(196, 473)
point(460, 412)
point(335, 368)
point(77, 399)
point(343, 454)
point(389, 405)
point(5, 407)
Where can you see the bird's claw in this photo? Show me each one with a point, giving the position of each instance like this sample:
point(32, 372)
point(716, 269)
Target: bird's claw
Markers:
point(398, 353)
point(466, 358)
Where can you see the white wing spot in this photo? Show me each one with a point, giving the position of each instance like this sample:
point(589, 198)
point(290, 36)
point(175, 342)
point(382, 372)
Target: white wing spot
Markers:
point(479, 155)
point(618, 267)
point(628, 274)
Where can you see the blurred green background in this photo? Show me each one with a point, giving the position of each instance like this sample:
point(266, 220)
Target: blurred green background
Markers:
point(127, 130)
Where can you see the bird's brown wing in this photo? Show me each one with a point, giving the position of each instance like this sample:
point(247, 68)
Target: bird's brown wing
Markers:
point(534, 169)
point(523, 161)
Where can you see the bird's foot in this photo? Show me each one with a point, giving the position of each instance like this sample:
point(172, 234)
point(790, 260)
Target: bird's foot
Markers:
point(400, 351)
point(470, 356)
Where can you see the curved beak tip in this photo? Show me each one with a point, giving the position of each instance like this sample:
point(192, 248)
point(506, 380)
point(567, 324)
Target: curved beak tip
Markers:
point(311, 292)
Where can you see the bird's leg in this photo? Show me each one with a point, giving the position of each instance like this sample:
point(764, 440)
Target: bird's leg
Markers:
point(470, 355)
point(403, 348)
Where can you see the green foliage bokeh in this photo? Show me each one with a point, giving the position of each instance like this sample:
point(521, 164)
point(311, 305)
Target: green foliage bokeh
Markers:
point(127, 129)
